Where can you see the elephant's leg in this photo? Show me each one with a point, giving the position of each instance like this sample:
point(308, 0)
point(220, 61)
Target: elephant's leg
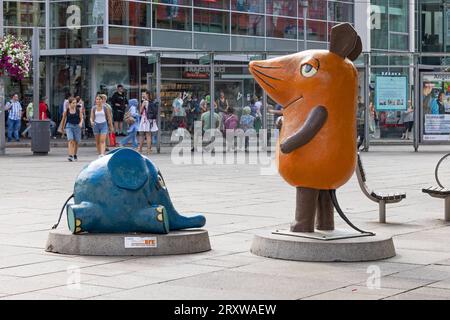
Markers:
point(305, 211)
point(83, 217)
point(325, 211)
point(151, 220)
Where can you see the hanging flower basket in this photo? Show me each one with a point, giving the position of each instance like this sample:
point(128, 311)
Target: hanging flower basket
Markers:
point(15, 57)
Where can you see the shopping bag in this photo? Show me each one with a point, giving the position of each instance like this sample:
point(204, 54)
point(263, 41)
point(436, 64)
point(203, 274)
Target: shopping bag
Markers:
point(112, 139)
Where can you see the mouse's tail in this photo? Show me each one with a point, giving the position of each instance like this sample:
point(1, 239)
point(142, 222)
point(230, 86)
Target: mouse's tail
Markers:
point(343, 216)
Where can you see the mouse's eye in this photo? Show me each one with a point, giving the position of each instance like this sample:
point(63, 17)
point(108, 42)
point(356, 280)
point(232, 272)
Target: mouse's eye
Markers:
point(308, 70)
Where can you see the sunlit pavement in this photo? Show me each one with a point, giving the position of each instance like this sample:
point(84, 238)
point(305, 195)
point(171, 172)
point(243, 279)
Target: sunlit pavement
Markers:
point(238, 202)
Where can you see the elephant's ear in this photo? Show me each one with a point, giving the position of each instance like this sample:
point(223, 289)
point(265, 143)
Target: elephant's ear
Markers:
point(128, 169)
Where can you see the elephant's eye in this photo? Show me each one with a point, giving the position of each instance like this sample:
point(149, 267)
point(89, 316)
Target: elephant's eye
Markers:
point(161, 182)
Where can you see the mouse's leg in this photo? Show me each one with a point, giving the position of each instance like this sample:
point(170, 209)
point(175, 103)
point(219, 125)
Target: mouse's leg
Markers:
point(305, 211)
point(325, 211)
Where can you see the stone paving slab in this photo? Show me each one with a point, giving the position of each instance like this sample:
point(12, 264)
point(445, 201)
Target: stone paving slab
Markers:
point(238, 202)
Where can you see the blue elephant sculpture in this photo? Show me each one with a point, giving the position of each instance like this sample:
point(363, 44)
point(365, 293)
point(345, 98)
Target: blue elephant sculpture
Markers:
point(124, 192)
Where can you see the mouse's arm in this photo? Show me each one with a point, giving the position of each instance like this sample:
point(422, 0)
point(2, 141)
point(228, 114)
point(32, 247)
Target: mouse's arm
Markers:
point(315, 121)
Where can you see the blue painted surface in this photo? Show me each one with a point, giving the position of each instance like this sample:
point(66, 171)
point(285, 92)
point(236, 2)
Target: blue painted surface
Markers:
point(124, 192)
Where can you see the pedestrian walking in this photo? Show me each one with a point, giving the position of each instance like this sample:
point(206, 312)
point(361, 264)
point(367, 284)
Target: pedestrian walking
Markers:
point(132, 120)
point(101, 120)
point(72, 122)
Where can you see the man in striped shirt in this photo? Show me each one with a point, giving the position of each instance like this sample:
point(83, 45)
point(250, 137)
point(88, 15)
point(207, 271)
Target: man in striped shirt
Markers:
point(15, 114)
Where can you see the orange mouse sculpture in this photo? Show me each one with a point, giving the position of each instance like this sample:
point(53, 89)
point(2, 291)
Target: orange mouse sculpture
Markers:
point(316, 150)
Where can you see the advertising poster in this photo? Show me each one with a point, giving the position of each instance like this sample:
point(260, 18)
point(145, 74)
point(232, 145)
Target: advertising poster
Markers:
point(436, 106)
point(391, 93)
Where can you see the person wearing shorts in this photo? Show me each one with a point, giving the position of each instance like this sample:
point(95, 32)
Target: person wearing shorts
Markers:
point(72, 122)
point(101, 121)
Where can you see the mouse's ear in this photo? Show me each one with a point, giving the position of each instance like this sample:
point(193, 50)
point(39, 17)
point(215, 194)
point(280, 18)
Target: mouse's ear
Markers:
point(356, 51)
point(344, 40)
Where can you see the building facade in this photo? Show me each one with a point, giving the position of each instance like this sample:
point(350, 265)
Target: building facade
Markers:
point(89, 46)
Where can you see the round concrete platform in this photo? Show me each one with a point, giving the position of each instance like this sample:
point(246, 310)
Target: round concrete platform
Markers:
point(176, 242)
point(287, 247)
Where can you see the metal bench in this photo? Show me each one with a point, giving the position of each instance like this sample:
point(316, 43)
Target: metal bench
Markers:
point(440, 193)
point(381, 199)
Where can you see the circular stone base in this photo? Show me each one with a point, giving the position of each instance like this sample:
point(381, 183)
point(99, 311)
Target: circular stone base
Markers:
point(304, 249)
point(99, 244)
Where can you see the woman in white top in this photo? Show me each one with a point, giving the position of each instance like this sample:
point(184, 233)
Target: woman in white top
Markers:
point(101, 120)
point(144, 124)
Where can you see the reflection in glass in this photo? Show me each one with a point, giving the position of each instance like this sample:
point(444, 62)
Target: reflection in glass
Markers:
point(63, 14)
point(84, 37)
point(24, 14)
point(338, 11)
point(247, 24)
point(213, 4)
point(255, 6)
point(317, 30)
point(280, 27)
point(171, 17)
point(211, 21)
point(129, 36)
point(282, 8)
point(129, 13)
point(26, 34)
point(317, 9)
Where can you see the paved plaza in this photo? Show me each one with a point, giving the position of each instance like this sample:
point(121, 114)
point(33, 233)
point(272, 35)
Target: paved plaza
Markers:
point(238, 202)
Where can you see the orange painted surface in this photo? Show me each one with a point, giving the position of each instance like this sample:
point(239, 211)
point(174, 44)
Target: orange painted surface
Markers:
point(329, 159)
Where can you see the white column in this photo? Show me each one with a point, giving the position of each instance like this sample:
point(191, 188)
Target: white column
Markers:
point(363, 22)
point(412, 24)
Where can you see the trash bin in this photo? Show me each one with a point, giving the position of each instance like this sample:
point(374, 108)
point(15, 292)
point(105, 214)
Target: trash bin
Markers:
point(40, 136)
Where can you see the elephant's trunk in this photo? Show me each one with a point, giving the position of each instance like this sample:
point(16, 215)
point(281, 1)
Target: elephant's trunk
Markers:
point(176, 220)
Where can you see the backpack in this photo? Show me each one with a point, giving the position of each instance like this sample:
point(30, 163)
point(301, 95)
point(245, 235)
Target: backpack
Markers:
point(231, 122)
point(152, 110)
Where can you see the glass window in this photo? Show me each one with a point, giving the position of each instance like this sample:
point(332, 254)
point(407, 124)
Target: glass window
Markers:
point(129, 36)
point(280, 27)
point(282, 7)
point(341, 12)
point(380, 36)
point(247, 24)
point(172, 17)
point(24, 14)
point(26, 34)
point(317, 9)
point(83, 37)
point(398, 15)
point(214, 4)
point(255, 6)
point(63, 14)
point(112, 70)
point(177, 2)
point(129, 13)
point(398, 42)
point(317, 30)
point(211, 21)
